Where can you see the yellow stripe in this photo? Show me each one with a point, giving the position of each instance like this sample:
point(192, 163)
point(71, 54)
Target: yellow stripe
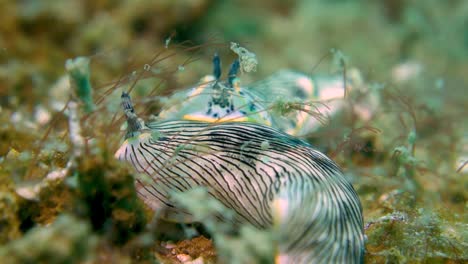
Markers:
point(214, 120)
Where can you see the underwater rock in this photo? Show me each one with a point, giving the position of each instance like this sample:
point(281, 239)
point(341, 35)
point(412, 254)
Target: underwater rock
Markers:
point(9, 224)
point(67, 240)
point(107, 196)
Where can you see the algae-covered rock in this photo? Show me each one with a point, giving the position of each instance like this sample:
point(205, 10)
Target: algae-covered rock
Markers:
point(106, 194)
point(422, 236)
point(67, 240)
point(9, 224)
point(39, 202)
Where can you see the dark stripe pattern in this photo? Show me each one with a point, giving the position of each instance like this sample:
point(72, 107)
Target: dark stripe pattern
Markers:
point(267, 177)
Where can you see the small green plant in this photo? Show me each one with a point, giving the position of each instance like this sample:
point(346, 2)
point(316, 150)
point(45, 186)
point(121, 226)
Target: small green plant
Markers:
point(79, 72)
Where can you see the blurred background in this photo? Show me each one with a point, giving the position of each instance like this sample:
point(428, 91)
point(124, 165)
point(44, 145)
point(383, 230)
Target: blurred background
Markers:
point(38, 36)
point(409, 170)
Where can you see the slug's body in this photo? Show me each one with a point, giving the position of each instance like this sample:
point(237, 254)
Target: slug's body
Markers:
point(269, 178)
point(284, 181)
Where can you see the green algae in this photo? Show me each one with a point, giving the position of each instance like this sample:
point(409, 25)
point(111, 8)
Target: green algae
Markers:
point(67, 240)
point(9, 222)
point(107, 197)
point(420, 237)
point(78, 70)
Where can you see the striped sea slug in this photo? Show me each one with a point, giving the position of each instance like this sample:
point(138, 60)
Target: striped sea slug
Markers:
point(283, 184)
